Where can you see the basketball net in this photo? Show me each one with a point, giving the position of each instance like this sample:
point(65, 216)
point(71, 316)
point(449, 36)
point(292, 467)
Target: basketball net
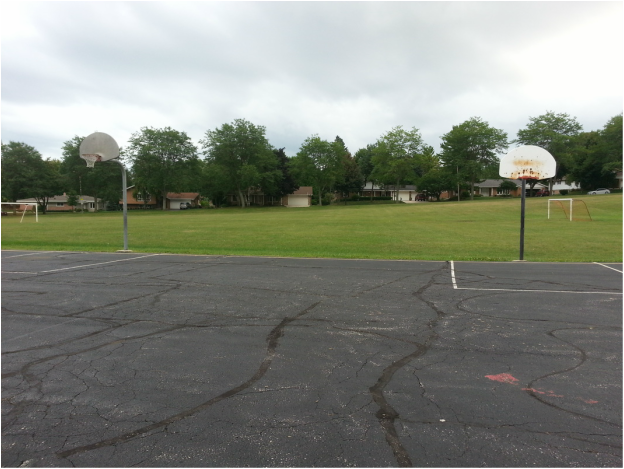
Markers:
point(90, 159)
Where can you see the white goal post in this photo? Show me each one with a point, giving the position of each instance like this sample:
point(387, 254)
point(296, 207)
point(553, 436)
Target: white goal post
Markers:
point(24, 212)
point(560, 200)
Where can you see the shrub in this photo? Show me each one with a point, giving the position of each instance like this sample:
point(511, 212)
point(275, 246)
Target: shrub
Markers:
point(563, 192)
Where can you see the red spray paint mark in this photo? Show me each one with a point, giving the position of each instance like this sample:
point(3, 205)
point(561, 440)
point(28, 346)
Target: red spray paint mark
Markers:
point(589, 401)
point(546, 393)
point(533, 390)
point(503, 378)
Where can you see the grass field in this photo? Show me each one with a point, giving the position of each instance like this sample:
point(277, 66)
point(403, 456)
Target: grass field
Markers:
point(486, 229)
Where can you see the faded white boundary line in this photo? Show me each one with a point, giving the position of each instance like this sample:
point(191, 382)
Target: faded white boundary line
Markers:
point(526, 290)
point(79, 266)
point(18, 272)
point(98, 263)
point(21, 255)
point(598, 263)
point(453, 275)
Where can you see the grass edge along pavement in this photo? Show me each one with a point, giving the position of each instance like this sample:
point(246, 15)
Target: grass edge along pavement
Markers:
point(486, 229)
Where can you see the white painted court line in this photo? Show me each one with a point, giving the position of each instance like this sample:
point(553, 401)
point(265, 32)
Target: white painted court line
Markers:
point(97, 263)
point(455, 287)
point(453, 275)
point(79, 266)
point(598, 263)
point(21, 255)
point(541, 291)
point(18, 272)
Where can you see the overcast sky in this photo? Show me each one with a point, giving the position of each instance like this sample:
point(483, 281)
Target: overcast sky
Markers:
point(353, 69)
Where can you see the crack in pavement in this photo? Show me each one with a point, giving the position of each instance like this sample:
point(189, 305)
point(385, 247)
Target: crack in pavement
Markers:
point(273, 342)
point(386, 413)
point(531, 390)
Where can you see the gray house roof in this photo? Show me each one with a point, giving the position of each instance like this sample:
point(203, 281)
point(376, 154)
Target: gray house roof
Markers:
point(57, 199)
point(496, 182)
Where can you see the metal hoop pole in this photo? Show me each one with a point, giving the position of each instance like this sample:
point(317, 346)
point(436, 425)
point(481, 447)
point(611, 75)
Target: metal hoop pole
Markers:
point(125, 203)
point(522, 220)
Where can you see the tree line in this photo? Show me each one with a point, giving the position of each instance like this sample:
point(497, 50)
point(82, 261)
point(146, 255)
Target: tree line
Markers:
point(238, 159)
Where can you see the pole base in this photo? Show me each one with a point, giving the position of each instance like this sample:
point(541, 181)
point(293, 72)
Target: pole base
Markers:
point(124, 250)
point(515, 260)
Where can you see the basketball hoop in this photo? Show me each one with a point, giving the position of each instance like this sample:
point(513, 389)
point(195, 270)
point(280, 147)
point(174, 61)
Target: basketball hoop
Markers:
point(91, 159)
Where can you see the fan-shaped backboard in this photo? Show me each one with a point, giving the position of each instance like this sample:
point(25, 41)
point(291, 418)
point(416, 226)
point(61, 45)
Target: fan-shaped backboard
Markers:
point(527, 162)
point(101, 144)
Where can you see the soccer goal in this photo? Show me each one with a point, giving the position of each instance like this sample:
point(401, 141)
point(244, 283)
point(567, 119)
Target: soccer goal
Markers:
point(16, 208)
point(571, 209)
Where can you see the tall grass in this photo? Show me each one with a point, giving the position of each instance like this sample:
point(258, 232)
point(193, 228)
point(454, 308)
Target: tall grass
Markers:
point(486, 230)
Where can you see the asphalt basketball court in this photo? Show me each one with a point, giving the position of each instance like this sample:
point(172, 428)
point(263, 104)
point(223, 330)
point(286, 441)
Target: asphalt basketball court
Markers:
point(112, 359)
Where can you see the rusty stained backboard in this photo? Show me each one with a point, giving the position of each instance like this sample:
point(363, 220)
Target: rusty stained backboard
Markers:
point(527, 162)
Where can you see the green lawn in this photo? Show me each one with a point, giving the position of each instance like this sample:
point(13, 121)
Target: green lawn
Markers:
point(486, 229)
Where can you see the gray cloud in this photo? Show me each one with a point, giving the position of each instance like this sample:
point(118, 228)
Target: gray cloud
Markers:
point(354, 69)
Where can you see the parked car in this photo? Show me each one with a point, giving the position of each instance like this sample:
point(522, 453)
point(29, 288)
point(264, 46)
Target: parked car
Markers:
point(184, 205)
point(599, 191)
point(542, 193)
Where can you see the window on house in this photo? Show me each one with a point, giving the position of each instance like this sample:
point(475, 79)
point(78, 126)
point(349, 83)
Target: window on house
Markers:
point(140, 198)
point(60, 204)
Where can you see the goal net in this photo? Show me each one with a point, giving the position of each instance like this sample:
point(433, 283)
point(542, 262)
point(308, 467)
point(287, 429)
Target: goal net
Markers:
point(18, 208)
point(570, 209)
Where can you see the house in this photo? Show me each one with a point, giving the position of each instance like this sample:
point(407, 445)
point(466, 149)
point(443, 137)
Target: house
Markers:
point(490, 188)
point(405, 193)
point(302, 197)
point(377, 191)
point(563, 185)
point(58, 203)
point(174, 200)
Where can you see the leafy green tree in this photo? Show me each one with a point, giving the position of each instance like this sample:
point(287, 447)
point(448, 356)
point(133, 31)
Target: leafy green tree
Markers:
point(318, 162)
point(507, 185)
point(593, 167)
point(397, 157)
point(22, 164)
point(286, 183)
point(72, 200)
point(349, 178)
point(163, 160)
point(436, 181)
point(430, 160)
point(215, 184)
point(364, 159)
point(103, 178)
point(25, 174)
point(470, 147)
point(556, 134)
point(612, 141)
point(245, 158)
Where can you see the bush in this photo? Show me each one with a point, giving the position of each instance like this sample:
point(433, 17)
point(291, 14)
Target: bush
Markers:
point(563, 192)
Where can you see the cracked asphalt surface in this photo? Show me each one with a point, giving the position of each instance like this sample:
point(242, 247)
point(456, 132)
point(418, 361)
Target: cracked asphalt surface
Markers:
point(113, 359)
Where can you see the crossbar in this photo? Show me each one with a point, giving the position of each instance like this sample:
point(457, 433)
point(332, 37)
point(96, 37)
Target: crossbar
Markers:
point(560, 200)
point(24, 212)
